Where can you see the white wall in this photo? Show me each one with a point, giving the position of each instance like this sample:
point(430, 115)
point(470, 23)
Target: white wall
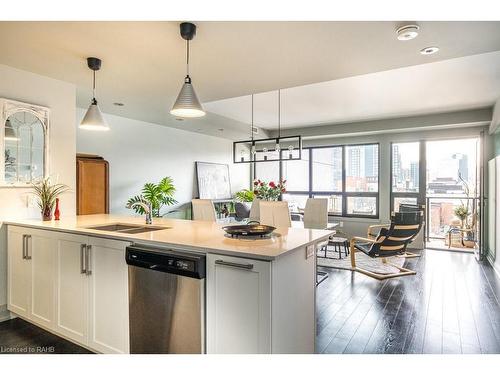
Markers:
point(140, 152)
point(60, 97)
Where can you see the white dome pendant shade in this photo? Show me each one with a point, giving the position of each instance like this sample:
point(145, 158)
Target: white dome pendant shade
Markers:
point(93, 119)
point(187, 104)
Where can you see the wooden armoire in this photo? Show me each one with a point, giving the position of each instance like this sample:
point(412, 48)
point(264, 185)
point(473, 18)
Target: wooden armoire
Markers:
point(92, 185)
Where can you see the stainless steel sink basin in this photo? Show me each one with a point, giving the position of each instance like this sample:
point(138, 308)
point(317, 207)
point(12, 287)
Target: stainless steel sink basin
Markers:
point(127, 228)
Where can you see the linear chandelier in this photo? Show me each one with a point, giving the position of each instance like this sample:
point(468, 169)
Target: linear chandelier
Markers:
point(268, 149)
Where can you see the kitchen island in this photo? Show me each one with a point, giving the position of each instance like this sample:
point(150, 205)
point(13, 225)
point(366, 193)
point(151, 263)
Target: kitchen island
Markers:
point(260, 293)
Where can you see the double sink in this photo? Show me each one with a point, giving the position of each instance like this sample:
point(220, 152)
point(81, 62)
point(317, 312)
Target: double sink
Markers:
point(128, 228)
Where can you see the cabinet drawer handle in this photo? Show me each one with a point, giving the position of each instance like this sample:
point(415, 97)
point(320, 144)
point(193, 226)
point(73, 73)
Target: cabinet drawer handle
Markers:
point(83, 248)
point(231, 264)
point(88, 256)
point(24, 246)
point(28, 237)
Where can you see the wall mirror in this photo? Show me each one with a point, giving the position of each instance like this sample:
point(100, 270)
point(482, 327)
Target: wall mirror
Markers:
point(24, 130)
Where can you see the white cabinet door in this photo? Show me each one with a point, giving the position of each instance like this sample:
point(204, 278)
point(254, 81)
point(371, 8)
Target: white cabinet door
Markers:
point(238, 305)
point(19, 273)
point(72, 287)
point(109, 324)
point(41, 252)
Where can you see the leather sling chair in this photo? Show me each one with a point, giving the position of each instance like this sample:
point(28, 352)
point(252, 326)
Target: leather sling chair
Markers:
point(389, 242)
point(403, 207)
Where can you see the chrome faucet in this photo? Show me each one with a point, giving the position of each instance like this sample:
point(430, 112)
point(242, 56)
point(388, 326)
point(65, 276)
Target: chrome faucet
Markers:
point(148, 207)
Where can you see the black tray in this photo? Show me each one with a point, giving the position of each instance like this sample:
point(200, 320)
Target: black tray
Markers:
point(249, 230)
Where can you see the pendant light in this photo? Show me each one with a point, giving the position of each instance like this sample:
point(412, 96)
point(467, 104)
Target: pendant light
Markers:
point(10, 133)
point(285, 148)
point(187, 103)
point(93, 119)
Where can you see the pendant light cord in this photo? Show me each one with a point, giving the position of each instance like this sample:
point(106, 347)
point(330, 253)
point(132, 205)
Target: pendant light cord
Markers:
point(93, 87)
point(279, 113)
point(187, 58)
point(251, 127)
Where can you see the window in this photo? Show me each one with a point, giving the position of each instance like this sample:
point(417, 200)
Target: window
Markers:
point(405, 167)
point(327, 169)
point(267, 171)
point(296, 173)
point(346, 175)
point(361, 168)
point(405, 174)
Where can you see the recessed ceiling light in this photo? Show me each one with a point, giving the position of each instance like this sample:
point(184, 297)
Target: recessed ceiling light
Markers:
point(118, 104)
point(429, 50)
point(407, 32)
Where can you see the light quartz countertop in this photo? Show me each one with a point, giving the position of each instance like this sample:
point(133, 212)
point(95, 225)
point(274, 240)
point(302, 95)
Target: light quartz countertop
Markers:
point(190, 235)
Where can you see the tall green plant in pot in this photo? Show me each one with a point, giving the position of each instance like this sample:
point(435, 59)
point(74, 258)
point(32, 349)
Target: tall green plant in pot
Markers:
point(46, 192)
point(159, 195)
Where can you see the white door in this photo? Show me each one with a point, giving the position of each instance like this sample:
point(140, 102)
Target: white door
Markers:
point(41, 253)
point(19, 272)
point(108, 297)
point(238, 305)
point(72, 287)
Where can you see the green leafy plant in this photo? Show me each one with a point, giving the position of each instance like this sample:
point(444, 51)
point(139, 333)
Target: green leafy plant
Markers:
point(268, 191)
point(159, 195)
point(245, 195)
point(47, 193)
point(462, 212)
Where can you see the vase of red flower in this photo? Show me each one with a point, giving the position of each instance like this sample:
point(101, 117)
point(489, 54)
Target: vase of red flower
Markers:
point(268, 191)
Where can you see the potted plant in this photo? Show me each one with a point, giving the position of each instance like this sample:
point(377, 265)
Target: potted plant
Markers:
point(47, 193)
point(159, 195)
point(268, 191)
point(245, 196)
point(462, 212)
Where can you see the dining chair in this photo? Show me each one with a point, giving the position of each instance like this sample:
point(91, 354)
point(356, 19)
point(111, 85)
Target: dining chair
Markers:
point(276, 214)
point(316, 213)
point(203, 210)
point(255, 211)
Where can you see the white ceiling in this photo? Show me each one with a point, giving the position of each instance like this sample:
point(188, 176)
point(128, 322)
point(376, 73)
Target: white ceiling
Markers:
point(455, 84)
point(143, 62)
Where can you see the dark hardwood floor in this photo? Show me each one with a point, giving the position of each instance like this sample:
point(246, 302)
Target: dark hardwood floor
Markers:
point(450, 306)
point(20, 337)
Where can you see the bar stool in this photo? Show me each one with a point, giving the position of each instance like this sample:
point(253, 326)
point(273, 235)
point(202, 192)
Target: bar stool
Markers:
point(339, 244)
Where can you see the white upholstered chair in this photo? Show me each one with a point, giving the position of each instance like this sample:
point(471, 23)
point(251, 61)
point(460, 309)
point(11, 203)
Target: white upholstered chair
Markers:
point(275, 214)
point(203, 210)
point(316, 213)
point(255, 210)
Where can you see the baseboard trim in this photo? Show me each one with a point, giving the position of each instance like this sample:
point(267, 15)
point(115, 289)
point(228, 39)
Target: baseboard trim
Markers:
point(492, 263)
point(4, 313)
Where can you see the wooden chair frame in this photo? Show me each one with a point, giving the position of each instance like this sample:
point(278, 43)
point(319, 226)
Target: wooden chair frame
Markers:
point(402, 271)
point(371, 235)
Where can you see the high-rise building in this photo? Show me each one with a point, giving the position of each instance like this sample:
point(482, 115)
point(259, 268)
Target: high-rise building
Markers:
point(397, 168)
point(414, 175)
point(371, 160)
point(354, 161)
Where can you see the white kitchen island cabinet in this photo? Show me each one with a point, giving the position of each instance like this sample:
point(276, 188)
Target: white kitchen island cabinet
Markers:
point(238, 305)
point(31, 276)
point(259, 307)
point(73, 285)
point(71, 278)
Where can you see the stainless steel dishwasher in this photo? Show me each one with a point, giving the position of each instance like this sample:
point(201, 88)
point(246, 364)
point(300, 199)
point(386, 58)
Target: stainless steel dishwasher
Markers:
point(166, 300)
